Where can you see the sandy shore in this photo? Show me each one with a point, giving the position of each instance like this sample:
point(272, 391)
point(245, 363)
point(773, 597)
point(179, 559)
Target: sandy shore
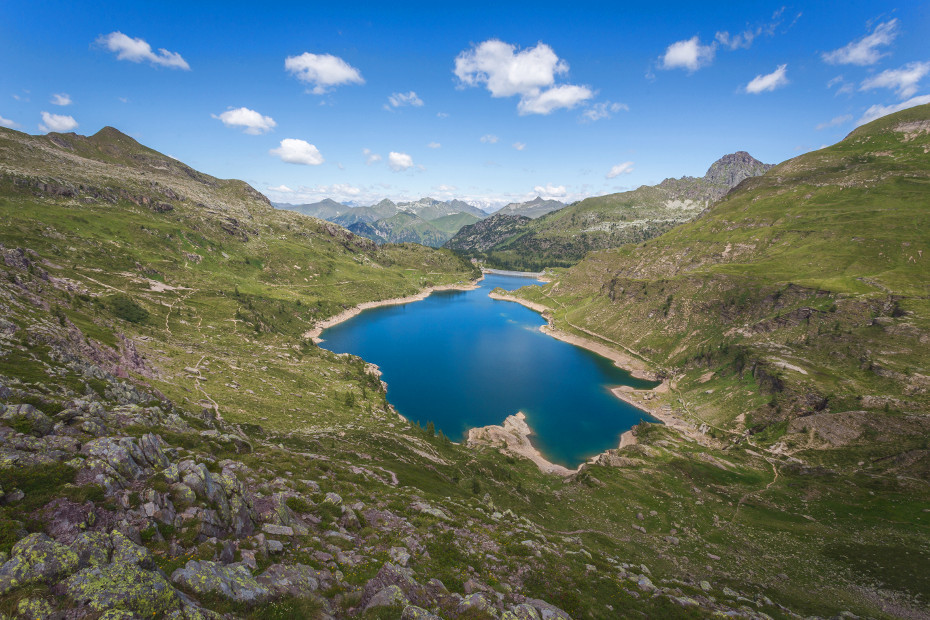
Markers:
point(345, 315)
point(514, 436)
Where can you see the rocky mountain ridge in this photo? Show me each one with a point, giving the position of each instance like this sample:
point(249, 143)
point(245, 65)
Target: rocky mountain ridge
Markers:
point(563, 237)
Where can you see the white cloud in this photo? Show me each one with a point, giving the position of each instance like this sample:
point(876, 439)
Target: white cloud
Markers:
point(434, 145)
point(398, 100)
point(519, 146)
point(835, 122)
point(294, 151)
point(399, 162)
point(878, 111)
point(489, 139)
point(688, 54)
point(5, 122)
point(252, 122)
point(742, 40)
point(903, 80)
point(322, 71)
point(768, 82)
point(137, 50)
point(283, 189)
point(605, 109)
point(447, 188)
point(565, 96)
point(550, 191)
point(57, 122)
point(61, 99)
point(442, 115)
point(864, 51)
point(506, 72)
point(624, 168)
point(370, 158)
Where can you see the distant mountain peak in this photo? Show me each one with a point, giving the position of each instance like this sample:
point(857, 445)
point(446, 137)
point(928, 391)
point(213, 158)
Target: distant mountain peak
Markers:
point(731, 169)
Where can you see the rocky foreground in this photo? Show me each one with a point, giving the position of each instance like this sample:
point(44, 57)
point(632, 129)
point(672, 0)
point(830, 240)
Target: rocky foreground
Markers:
point(148, 523)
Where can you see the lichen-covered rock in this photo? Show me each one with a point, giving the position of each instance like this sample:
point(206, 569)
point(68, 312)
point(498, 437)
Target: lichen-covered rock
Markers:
point(233, 582)
point(123, 586)
point(127, 552)
point(297, 580)
point(38, 423)
point(388, 597)
point(34, 609)
point(93, 549)
point(478, 600)
point(392, 575)
point(412, 612)
point(521, 612)
point(37, 558)
point(118, 614)
point(547, 611)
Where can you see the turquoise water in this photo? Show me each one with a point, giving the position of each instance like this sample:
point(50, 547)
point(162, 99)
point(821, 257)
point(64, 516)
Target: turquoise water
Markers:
point(461, 360)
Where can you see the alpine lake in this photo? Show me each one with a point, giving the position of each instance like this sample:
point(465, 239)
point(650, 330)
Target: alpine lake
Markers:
point(461, 360)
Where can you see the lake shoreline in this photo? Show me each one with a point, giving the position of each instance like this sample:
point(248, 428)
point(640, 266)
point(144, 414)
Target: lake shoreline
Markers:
point(641, 399)
point(345, 315)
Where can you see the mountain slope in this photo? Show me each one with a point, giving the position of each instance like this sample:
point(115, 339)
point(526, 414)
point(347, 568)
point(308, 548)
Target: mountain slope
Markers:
point(563, 237)
point(531, 209)
point(804, 291)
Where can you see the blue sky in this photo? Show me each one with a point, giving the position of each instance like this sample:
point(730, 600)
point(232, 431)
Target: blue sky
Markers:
point(490, 102)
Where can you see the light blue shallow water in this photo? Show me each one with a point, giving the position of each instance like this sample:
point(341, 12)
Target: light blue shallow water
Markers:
point(461, 360)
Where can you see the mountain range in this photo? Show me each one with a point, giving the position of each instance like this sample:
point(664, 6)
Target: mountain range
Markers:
point(426, 221)
point(564, 236)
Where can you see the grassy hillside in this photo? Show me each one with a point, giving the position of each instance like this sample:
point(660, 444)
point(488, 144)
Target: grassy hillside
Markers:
point(804, 291)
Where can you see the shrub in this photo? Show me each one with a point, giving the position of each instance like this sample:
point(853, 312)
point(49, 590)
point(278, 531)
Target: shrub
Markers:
point(126, 308)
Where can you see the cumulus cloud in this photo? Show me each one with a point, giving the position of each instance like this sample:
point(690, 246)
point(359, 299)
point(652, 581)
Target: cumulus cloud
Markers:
point(251, 121)
point(688, 54)
point(57, 122)
point(322, 71)
point(771, 81)
point(489, 139)
point(281, 189)
point(434, 145)
point(624, 168)
point(835, 122)
point(519, 146)
point(447, 188)
point(294, 151)
point(530, 74)
point(61, 99)
point(605, 109)
point(878, 111)
point(865, 50)
point(550, 191)
point(399, 162)
point(398, 100)
point(5, 122)
point(903, 80)
point(138, 50)
point(565, 96)
point(370, 158)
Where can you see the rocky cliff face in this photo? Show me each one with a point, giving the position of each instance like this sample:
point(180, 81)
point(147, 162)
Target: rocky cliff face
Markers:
point(484, 235)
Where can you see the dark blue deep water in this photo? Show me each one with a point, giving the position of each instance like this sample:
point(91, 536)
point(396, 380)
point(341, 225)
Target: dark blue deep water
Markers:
point(461, 360)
